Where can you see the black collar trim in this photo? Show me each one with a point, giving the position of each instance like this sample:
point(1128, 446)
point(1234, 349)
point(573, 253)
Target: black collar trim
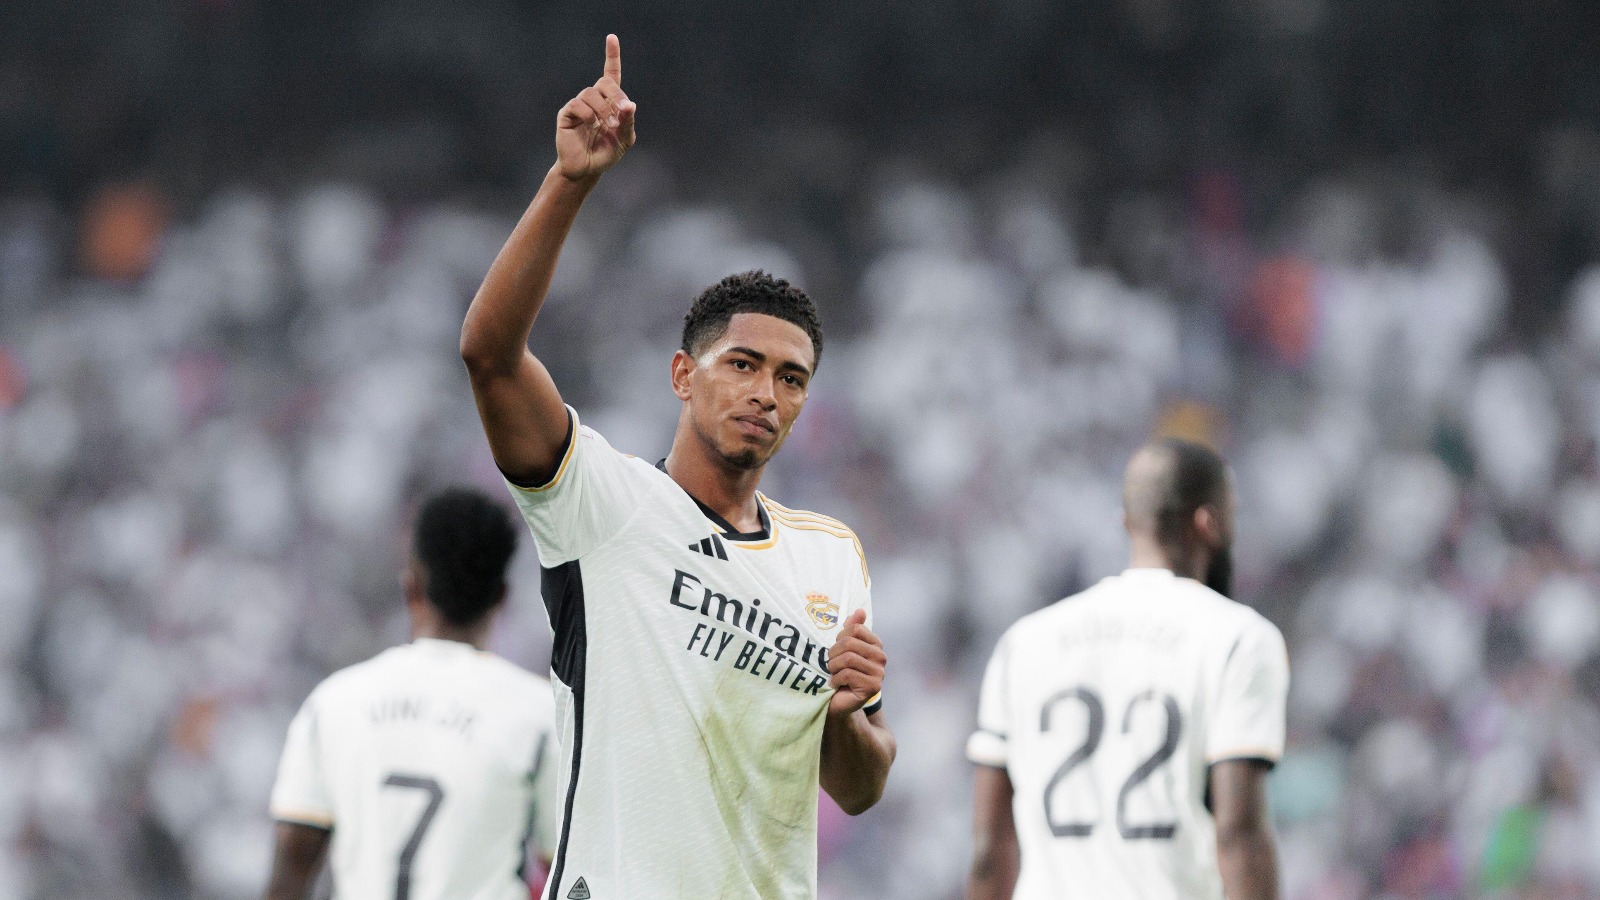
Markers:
point(728, 532)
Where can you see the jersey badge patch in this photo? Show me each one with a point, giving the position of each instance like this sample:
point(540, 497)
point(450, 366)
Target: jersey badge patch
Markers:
point(580, 891)
point(823, 611)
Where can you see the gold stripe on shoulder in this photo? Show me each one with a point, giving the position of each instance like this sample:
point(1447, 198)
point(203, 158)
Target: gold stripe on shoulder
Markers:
point(810, 521)
point(806, 514)
point(866, 575)
point(814, 526)
point(829, 524)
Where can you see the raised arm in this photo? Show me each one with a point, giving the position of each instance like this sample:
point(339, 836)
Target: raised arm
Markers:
point(522, 411)
point(1246, 852)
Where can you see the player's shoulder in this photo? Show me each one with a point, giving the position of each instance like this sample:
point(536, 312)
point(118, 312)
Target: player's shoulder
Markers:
point(1138, 589)
point(1251, 627)
point(1227, 624)
point(1228, 612)
point(827, 534)
point(354, 681)
point(1042, 626)
point(590, 444)
point(511, 687)
point(807, 521)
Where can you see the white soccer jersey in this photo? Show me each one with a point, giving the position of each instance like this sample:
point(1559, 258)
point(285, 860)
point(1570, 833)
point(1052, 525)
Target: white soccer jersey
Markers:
point(433, 763)
point(1107, 710)
point(690, 665)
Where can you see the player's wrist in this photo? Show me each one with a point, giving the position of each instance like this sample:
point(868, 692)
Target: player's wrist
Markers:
point(844, 715)
point(583, 181)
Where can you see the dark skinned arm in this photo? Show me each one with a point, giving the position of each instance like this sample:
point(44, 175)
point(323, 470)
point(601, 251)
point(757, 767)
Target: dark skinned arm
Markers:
point(996, 856)
point(522, 411)
point(1246, 851)
point(857, 749)
point(297, 857)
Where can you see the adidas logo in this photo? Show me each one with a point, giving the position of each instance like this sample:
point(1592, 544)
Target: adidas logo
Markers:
point(580, 891)
point(711, 546)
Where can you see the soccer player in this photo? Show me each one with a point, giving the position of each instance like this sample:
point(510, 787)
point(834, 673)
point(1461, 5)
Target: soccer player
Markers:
point(713, 662)
point(428, 767)
point(1125, 733)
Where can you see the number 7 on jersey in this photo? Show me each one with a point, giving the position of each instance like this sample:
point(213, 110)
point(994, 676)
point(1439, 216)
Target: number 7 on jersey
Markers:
point(408, 853)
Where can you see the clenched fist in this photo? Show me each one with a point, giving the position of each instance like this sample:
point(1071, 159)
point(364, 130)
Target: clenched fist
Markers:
point(595, 128)
point(856, 665)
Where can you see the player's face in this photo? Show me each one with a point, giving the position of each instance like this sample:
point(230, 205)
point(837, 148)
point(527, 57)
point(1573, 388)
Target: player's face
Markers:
point(746, 389)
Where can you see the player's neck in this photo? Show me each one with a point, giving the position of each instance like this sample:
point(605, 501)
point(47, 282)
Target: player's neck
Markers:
point(475, 635)
point(1145, 552)
point(728, 491)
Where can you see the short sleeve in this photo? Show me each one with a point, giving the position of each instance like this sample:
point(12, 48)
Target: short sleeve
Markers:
point(989, 745)
point(589, 499)
point(300, 795)
point(1251, 698)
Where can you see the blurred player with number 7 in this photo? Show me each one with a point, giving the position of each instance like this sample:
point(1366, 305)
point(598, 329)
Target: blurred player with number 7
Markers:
point(426, 769)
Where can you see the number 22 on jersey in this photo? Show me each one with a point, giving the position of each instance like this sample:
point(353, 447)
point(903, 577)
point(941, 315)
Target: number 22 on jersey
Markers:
point(1073, 810)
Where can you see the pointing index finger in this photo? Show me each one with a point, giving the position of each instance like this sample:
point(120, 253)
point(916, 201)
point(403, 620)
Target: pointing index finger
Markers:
point(614, 59)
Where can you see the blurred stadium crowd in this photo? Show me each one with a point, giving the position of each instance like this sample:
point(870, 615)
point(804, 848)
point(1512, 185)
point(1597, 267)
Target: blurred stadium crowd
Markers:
point(222, 382)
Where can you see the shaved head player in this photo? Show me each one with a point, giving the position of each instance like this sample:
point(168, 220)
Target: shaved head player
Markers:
point(1125, 733)
point(712, 658)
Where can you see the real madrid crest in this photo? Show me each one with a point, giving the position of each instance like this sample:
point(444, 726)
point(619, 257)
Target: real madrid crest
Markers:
point(823, 611)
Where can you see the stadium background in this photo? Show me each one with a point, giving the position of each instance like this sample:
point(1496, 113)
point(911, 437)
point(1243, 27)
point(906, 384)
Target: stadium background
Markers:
point(1350, 241)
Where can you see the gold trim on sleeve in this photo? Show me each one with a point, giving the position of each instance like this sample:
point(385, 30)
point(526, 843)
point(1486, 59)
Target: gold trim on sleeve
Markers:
point(824, 525)
point(303, 817)
point(1248, 753)
point(572, 446)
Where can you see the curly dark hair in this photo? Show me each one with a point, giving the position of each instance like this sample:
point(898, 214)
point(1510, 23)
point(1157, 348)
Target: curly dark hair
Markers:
point(464, 542)
point(752, 292)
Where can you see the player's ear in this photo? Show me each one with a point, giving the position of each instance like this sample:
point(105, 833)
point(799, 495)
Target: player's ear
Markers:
point(1209, 526)
point(683, 365)
point(411, 584)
